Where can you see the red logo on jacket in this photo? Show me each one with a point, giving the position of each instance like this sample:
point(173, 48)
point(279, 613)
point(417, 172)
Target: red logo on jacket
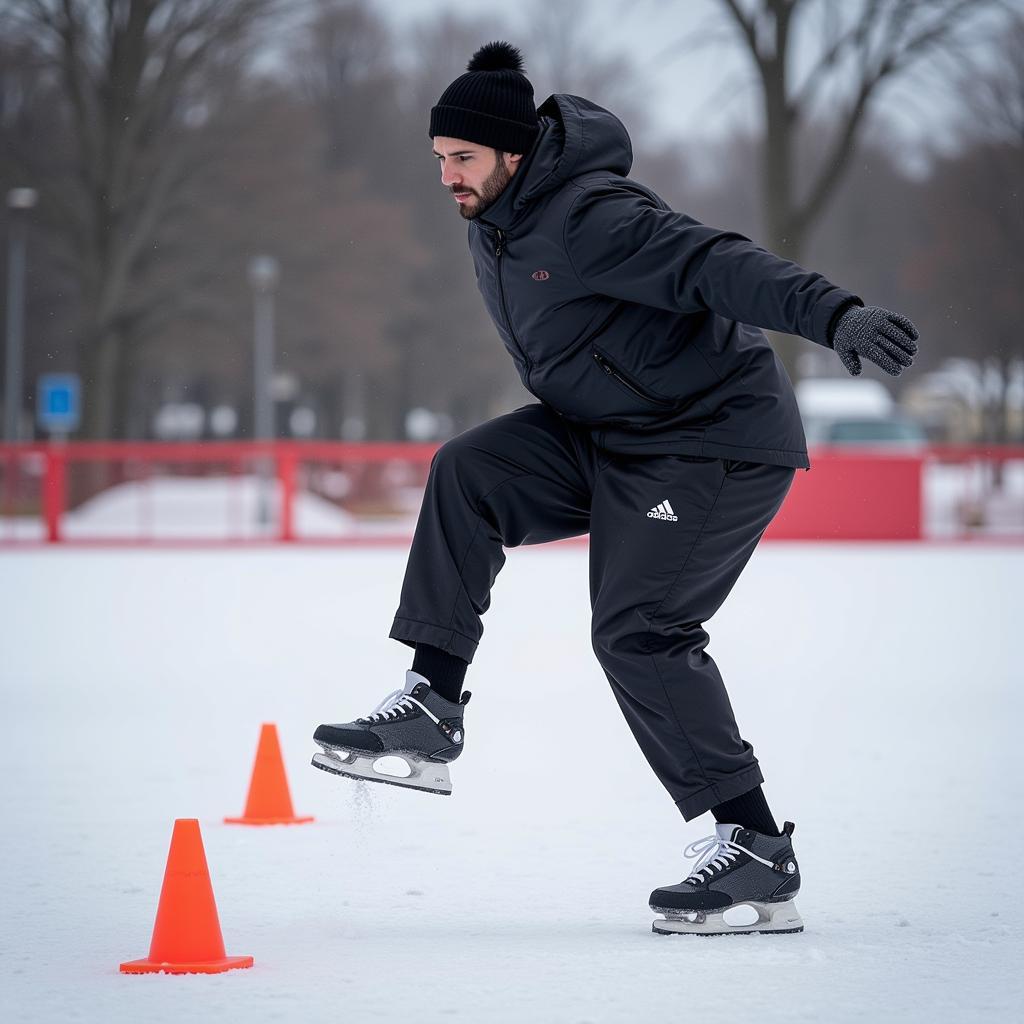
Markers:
point(540, 275)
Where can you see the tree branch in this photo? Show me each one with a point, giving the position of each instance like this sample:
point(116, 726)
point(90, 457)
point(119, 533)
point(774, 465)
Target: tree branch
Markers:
point(749, 29)
point(899, 53)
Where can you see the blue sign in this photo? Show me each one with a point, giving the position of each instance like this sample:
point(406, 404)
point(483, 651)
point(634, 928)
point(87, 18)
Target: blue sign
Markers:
point(59, 406)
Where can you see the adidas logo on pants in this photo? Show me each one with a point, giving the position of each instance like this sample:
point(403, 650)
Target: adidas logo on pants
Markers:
point(663, 510)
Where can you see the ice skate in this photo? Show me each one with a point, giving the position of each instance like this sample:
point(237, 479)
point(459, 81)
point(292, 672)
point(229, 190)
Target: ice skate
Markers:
point(414, 724)
point(745, 882)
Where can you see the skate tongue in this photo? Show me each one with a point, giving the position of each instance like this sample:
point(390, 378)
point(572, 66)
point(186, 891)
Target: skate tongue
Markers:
point(727, 833)
point(412, 680)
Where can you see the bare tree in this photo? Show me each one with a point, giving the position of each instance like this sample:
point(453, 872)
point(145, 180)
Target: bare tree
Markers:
point(345, 65)
point(975, 236)
point(29, 134)
point(345, 256)
point(132, 81)
point(993, 99)
point(563, 50)
point(859, 48)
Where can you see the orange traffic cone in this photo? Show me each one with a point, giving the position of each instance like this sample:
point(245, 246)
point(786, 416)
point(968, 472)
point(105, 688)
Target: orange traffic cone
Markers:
point(269, 801)
point(186, 936)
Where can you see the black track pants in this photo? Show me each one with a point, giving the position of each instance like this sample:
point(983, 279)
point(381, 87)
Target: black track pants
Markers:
point(529, 477)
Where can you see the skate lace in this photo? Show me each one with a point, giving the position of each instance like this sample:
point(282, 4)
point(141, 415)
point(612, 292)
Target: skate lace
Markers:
point(393, 706)
point(396, 704)
point(716, 854)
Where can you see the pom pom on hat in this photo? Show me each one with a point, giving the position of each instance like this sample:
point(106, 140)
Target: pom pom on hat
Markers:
point(497, 56)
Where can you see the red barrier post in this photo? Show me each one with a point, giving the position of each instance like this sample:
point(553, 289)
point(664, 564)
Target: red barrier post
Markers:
point(286, 474)
point(8, 486)
point(54, 482)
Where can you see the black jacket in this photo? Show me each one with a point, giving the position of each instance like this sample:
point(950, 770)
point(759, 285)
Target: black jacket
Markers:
point(634, 320)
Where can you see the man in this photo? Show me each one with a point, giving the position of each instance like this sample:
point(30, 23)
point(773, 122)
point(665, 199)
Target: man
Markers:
point(666, 427)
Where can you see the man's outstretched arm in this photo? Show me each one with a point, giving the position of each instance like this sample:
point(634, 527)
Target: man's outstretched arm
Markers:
point(622, 244)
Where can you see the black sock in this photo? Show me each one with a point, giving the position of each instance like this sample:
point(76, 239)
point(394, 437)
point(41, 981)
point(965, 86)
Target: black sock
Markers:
point(749, 810)
point(445, 671)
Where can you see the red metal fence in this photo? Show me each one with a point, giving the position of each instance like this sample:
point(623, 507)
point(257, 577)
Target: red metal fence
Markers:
point(86, 493)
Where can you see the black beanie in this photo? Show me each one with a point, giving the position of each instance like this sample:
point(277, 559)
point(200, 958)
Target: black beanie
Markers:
point(491, 104)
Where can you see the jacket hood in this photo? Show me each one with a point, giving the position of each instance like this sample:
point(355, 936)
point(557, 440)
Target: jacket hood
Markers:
point(577, 137)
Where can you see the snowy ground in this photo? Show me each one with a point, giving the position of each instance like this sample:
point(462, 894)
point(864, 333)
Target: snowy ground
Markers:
point(881, 687)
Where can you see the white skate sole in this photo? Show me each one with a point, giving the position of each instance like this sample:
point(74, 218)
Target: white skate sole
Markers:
point(426, 776)
point(746, 918)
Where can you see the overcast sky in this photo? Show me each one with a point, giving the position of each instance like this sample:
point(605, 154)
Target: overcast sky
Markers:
point(703, 91)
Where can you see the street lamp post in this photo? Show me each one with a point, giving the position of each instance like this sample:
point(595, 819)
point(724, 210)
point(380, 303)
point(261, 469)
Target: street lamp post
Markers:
point(19, 202)
point(264, 272)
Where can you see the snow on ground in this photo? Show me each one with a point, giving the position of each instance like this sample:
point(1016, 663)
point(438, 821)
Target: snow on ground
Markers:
point(212, 508)
point(880, 685)
point(197, 507)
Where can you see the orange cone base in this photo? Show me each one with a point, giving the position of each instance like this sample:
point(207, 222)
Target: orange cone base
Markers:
point(147, 966)
point(267, 821)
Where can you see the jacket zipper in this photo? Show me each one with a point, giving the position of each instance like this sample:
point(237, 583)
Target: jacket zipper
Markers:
point(498, 250)
point(612, 372)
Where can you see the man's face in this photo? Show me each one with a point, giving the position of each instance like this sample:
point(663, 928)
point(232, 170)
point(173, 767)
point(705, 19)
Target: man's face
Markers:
point(475, 175)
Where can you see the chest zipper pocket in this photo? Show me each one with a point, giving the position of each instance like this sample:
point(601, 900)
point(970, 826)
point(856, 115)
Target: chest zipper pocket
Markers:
point(630, 385)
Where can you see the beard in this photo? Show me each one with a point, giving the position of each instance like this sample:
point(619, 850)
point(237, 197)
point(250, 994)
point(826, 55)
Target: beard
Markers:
point(492, 187)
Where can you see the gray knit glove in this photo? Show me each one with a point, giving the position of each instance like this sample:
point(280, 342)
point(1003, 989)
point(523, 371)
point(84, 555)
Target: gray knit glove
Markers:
point(886, 338)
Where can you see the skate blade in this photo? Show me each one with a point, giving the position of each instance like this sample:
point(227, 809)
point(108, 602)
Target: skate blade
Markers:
point(747, 918)
point(427, 777)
